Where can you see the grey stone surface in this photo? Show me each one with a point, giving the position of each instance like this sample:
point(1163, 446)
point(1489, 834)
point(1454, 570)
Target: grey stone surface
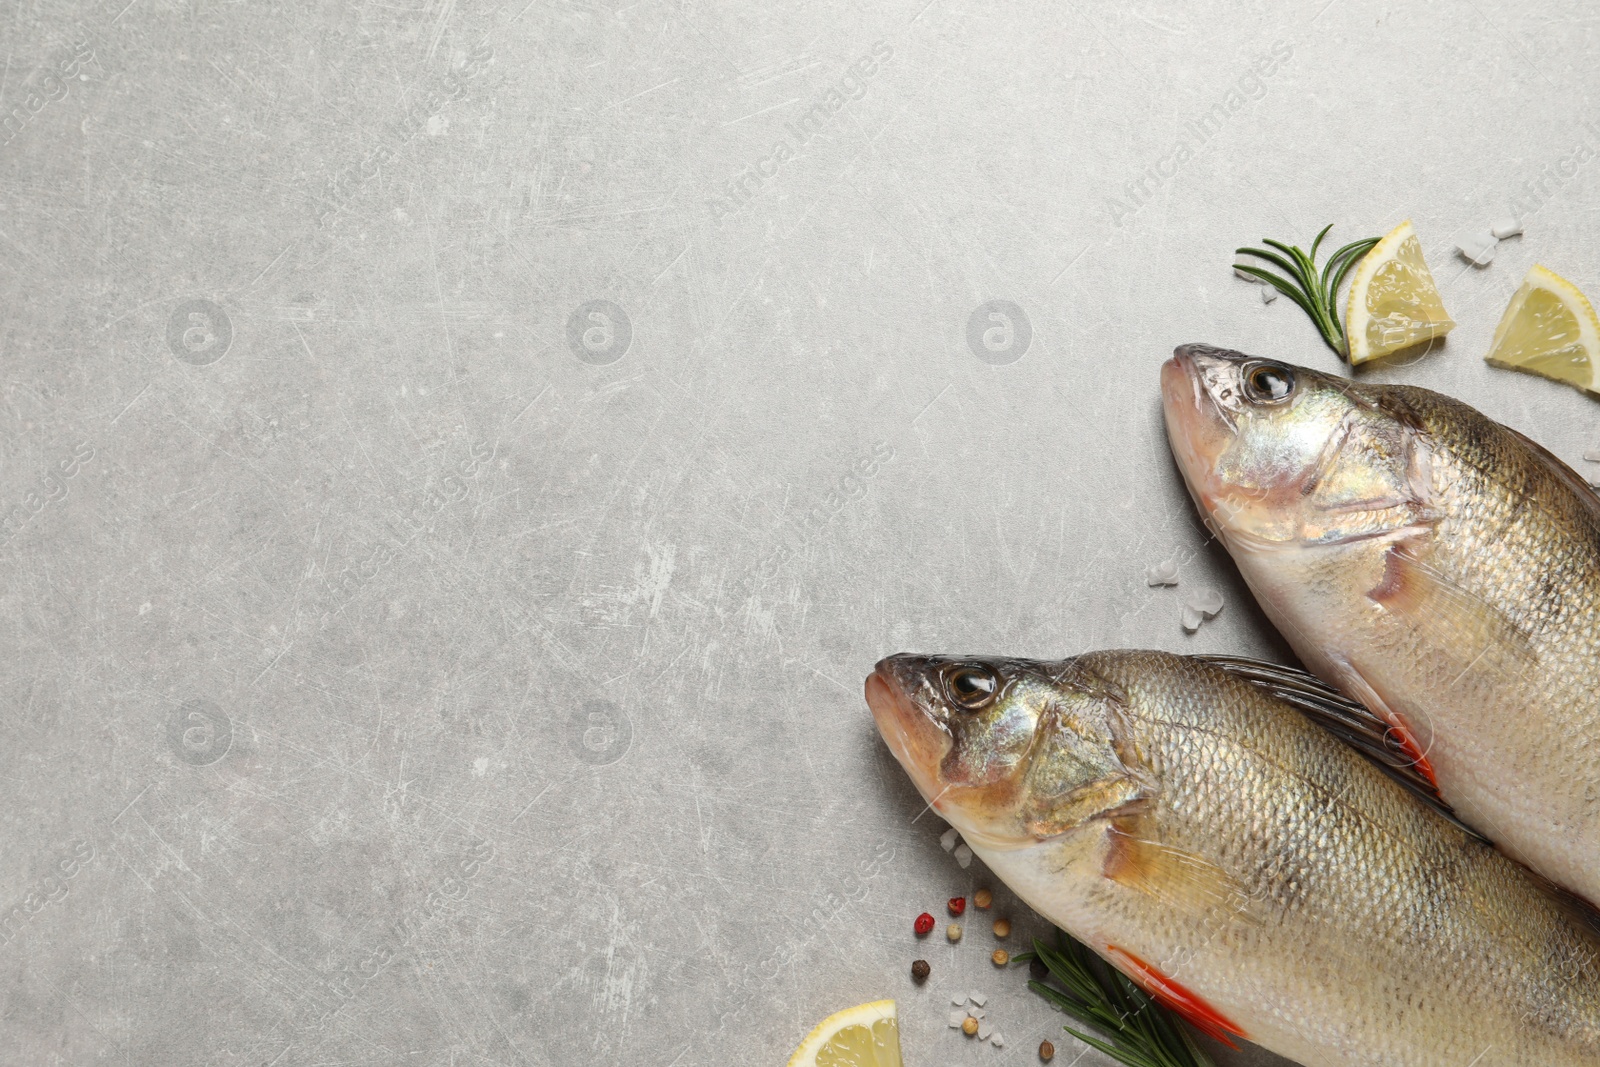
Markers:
point(457, 469)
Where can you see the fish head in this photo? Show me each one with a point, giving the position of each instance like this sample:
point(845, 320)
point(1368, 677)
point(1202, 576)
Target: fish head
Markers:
point(1278, 455)
point(1010, 752)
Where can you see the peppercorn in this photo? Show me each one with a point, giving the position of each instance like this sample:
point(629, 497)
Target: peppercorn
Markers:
point(1038, 970)
point(919, 971)
point(1001, 957)
point(957, 905)
point(969, 1026)
point(924, 925)
point(1047, 1051)
point(953, 931)
point(982, 899)
point(1002, 928)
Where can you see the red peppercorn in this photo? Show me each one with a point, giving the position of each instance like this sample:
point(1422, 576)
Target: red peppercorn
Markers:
point(924, 925)
point(957, 905)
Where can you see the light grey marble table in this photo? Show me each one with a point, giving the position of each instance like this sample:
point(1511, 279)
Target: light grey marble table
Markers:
point(459, 461)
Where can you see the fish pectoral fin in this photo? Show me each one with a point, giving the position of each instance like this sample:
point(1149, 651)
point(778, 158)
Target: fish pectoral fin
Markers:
point(1367, 725)
point(1477, 635)
point(1174, 995)
point(1179, 879)
point(1398, 734)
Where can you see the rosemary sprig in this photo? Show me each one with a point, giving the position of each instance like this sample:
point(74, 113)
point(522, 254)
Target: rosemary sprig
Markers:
point(1317, 294)
point(1132, 1028)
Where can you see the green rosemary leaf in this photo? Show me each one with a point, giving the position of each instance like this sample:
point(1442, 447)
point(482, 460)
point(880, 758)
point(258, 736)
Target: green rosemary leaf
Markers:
point(1111, 1050)
point(1306, 276)
point(1345, 260)
point(1286, 288)
point(1318, 242)
point(1124, 1022)
point(1316, 293)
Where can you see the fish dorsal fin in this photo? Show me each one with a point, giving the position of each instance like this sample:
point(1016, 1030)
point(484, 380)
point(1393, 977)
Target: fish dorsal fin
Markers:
point(1349, 720)
point(1583, 914)
point(1563, 473)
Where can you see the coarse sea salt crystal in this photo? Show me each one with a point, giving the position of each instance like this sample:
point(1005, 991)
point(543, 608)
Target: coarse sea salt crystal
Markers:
point(980, 999)
point(958, 999)
point(1191, 619)
point(984, 1030)
point(957, 1017)
point(1592, 456)
point(997, 1041)
point(1242, 260)
point(948, 839)
point(1505, 227)
point(1477, 249)
point(1206, 601)
point(963, 856)
point(1163, 573)
point(1269, 293)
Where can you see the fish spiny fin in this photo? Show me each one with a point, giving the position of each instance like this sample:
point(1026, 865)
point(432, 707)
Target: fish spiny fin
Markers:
point(1180, 880)
point(1563, 473)
point(1453, 619)
point(1174, 995)
point(1391, 746)
point(1583, 914)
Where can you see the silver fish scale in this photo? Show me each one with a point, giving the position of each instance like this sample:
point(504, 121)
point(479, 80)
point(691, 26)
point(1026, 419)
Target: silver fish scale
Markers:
point(1343, 877)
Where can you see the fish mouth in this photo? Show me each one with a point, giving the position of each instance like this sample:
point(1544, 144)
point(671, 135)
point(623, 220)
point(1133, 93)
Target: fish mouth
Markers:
point(917, 740)
point(1199, 429)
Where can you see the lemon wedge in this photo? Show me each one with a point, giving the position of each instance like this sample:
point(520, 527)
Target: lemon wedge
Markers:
point(867, 1035)
point(1393, 301)
point(1550, 329)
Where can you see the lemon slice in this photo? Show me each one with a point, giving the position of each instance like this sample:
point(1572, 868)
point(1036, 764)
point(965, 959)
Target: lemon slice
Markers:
point(1393, 301)
point(867, 1035)
point(1550, 329)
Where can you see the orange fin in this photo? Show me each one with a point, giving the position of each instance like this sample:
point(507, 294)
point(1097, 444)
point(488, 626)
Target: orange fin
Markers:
point(1398, 733)
point(1407, 742)
point(1181, 880)
point(1200, 1015)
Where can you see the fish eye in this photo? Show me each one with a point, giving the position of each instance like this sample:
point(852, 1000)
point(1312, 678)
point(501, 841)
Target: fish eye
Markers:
point(1269, 383)
point(971, 686)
